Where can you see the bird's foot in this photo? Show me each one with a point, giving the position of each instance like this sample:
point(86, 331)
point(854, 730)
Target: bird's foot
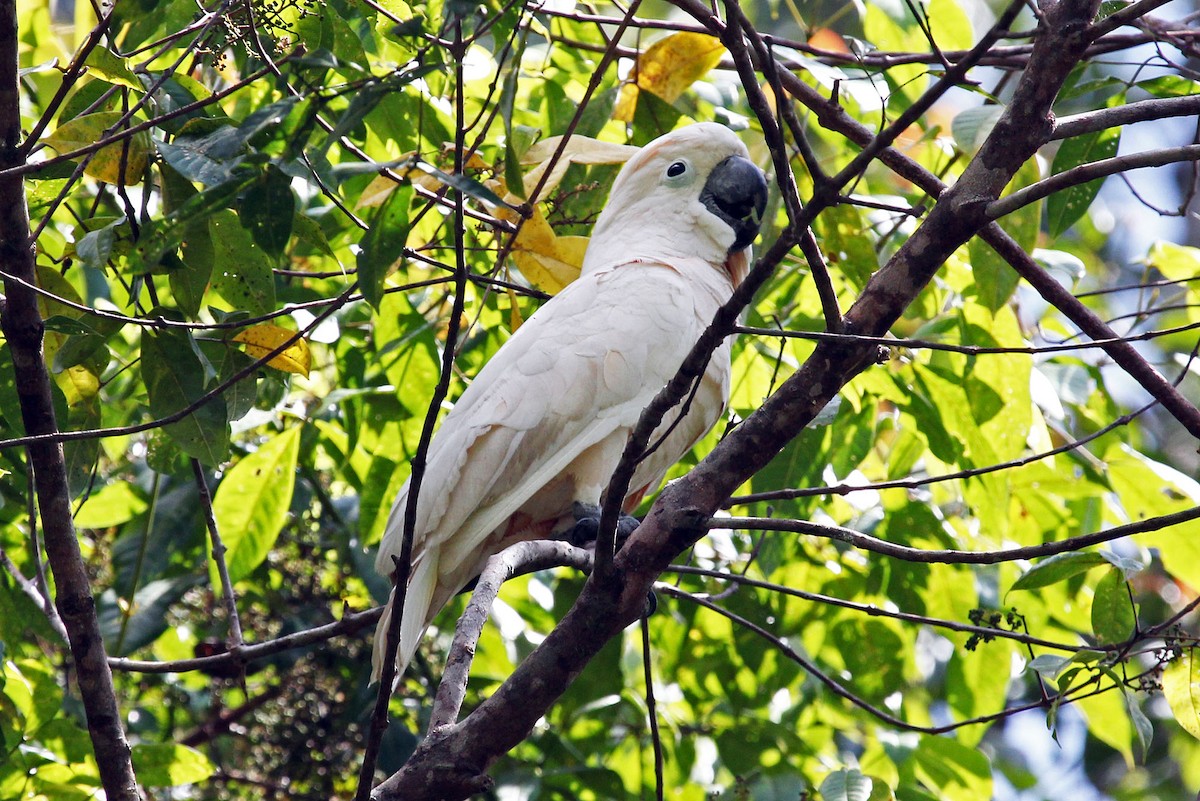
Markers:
point(587, 525)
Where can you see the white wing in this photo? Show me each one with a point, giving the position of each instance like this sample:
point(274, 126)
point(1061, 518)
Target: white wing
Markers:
point(545, 421)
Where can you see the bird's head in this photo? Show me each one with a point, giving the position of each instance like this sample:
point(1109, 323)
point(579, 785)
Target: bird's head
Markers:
point(693, 193)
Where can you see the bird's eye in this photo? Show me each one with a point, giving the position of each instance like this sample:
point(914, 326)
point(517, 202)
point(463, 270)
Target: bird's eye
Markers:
point(676, 169)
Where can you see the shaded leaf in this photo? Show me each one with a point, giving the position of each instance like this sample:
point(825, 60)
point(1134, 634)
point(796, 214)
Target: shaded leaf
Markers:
point(131, 153)
point(1065, 207)
point(1059, 567)
point(383, 244)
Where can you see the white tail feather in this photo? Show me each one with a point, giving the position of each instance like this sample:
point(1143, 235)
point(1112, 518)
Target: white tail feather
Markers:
point(414, 621)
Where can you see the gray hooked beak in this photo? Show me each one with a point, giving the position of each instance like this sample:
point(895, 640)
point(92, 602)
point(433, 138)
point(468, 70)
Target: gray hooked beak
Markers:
point(736, 191)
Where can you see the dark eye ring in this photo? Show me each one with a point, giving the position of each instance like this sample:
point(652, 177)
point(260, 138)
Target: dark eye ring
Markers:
point(676, 169)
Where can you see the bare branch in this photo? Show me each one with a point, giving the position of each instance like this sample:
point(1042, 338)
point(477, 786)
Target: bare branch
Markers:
point(1090, 172)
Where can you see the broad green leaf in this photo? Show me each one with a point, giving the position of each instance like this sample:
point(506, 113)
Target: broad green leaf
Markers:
point(383, 244)
point(995, 279)
point(1143, 729)
point(950, 25)
point(175, 379)
point(122, 162)
point(251, 502)
point(1113, 617)
point(1059, 567)
point(111, 505)
point(241, 271)
point(1175, 262)
point(170, 764)
point(1181, 687)
point(267, 209)
point(1065, 207)
point(846, 785)
point(952, 770)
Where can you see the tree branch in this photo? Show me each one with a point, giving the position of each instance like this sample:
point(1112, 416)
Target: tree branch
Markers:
point(1090, 172)
point(22, 326)
point(450, 765)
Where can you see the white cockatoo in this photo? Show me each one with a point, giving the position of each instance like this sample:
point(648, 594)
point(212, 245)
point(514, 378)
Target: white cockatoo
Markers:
point(543, 424)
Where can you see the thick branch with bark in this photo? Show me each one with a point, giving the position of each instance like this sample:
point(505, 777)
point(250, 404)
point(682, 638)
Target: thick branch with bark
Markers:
point(22, 325)
point(451, 763)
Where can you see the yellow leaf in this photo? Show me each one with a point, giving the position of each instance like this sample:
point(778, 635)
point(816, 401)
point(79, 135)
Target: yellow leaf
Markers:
point(263, 338)
point(547, 261)
point(106, 163)
point(1181, 686)
point(379, 190)
point(668, 67)
point(514, 310)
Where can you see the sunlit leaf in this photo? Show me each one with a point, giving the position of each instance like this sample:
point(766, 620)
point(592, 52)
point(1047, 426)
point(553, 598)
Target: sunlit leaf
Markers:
point(251, 502)
point(668, 67)
point(547, 260)
point(263, 338)
point(1181, 687)
point(170, 764)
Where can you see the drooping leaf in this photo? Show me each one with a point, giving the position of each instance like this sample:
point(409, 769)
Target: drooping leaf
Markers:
point(241, 271)
point(1113, 617)
point(547, 260)
point(267, 209)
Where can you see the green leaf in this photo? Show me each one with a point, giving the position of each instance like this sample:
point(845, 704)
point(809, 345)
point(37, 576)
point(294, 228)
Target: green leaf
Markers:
point(175, 379)
point(266, 210)
point(1181, 687)
point(845, 785)
point(170, 764)
point(1049, 665)
point(251, 502)
point(1113, 616)
point(122, 162)
point(111, 505)
point(241, 271)
point(1059, 567)
point(1065, 207)
point(1175, 262)
point(383, 244)
point(1143, 730)
point(952, 770)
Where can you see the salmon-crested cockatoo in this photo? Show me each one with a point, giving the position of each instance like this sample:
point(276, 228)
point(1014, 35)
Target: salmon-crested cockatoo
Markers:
point(540, 430)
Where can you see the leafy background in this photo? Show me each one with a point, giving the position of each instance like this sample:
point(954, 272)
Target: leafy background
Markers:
point(249, 228)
